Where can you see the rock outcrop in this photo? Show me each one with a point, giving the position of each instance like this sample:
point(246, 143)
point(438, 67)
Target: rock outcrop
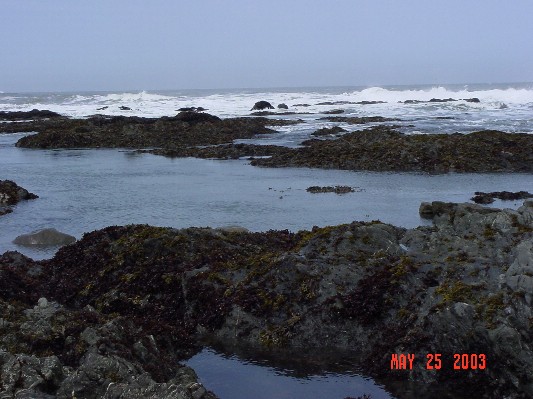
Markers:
point(11, 193)
point(462, 286)
point(385, 149)
point(186, 129)
point(488, 198)
point(260, 105)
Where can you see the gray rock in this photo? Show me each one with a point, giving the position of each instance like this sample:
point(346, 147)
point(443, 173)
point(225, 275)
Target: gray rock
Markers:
point(45, 237)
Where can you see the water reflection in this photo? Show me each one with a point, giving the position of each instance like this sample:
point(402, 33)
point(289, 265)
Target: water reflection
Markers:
point(233, 376)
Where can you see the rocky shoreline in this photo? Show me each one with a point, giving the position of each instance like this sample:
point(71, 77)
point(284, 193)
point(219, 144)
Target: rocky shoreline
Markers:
point(378, 148)
point(125, 303)
point(385, 149)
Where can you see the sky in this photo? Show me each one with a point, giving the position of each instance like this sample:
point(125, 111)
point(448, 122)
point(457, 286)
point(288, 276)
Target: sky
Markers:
point(76, 45)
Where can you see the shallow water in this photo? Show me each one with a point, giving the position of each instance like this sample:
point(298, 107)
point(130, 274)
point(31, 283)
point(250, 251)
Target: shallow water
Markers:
point(257, 379)
point(85, 190)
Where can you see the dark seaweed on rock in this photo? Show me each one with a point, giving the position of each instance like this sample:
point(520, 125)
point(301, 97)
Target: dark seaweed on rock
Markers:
point(357, 120)
point(461, 286)
point(488, 198)
point(186, 129)
point(385, 149)
point(11, 193)
point(330, 189)
point(33, 114)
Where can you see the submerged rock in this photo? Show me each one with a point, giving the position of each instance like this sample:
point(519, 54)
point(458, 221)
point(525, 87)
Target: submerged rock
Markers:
point(44, 237)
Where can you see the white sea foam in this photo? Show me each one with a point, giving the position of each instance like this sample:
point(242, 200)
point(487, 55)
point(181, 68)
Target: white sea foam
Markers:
point(501, 107)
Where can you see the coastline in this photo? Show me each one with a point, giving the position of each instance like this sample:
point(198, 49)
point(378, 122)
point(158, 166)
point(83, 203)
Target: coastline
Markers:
point(372, 287)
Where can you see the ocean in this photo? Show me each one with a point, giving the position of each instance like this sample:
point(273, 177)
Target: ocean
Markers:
point(88, 189)
point(505, 107)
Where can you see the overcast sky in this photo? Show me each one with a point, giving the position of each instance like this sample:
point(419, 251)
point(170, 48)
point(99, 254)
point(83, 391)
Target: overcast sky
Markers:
point(71, 45)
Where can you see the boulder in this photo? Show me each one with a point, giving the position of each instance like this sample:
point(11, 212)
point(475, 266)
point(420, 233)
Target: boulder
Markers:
point(44, 237)
point(124, 108)
point(196, 117)
point(283, 106)
point(262, 105)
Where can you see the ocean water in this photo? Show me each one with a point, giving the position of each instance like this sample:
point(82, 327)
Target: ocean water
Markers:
point(83, 190)
point(88, 189)
point(506, 107)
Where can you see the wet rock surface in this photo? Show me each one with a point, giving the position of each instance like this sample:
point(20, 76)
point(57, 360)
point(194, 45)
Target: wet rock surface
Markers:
point(24, 115)
point(260, 105)
point(124, 302)
point(327, 131)
point(488, 198)
point(188, 128)
point(330, 189)
point(385, 149)
point(381, 148)
point(44, 237)
point(11, 193)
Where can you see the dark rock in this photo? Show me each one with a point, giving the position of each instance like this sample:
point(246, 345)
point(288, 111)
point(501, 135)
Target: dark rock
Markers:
point(11, 193)
point(301, 105)
point(283, 106)
point(488, 198)
point(102, 108)
point(260, 105)
point(336, 103)
point(472, 100)
point(186, 129)
point(33, 114)
point(441, 100)
point(44, 237)
point(196, 117)
point(120, 308)
point(330, 189)
point(192, 109)
point(124, 108)
point(370, 102)
point(327, 131)
point(5, 211)
point(94, 356)
point(357, 120)
point(334, 111)
point(384, 149)
point(482, 199)
point(413, 101)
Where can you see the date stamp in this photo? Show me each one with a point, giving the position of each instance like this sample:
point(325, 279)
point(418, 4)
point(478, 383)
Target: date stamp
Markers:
point(461, 361)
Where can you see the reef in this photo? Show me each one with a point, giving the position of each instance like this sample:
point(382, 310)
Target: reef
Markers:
point(380, 148)
point(383, 148)
point(188, 128)
point(143, 298)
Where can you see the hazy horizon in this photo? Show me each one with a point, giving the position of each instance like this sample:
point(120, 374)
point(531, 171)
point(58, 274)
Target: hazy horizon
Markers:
point(65, 46)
